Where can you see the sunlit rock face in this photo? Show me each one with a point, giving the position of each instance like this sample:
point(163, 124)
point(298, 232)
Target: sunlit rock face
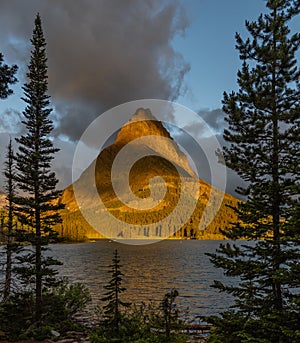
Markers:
point(3, 201)
point(144, 124)
point(144, 180)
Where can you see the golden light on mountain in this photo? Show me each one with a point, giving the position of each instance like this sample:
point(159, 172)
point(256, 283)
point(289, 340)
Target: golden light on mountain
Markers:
point(149, 191)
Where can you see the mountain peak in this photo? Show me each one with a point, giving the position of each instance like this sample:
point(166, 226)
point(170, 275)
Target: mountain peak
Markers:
point(142, 123)
point(142, 114)
point(148, 162)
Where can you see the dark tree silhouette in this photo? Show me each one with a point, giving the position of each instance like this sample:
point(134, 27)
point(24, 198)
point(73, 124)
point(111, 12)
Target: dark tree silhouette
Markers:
point(38, 200)
point(7, 78)
point(170, 313)
point(264, 134)
point(112, 310)
point(9, 229)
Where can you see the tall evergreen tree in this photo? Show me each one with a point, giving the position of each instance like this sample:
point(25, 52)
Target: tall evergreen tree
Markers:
point(264, 134)
point(7, 77)
point(112, 310)
point(170, 313)
point(37, 202)
point(11, 245)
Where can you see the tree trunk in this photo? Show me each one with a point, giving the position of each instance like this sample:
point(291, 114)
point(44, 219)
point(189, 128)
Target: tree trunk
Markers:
point(38, 278)
point(275, 188)
point(7, 285)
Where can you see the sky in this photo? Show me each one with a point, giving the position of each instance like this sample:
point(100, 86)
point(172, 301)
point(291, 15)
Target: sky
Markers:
point(102, 53)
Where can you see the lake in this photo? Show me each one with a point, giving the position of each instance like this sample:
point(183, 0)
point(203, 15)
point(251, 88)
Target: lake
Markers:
point(149, 271)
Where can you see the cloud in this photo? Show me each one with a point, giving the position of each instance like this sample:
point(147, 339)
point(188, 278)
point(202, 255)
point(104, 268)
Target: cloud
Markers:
point(101, 53)
point(214, 118)
point(211, 122)
point(62, 162)
point(10, 121)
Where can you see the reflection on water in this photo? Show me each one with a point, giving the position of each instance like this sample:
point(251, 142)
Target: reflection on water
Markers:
point(149, 271)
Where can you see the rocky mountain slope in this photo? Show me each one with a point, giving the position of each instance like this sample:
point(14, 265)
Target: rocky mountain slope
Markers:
point(2, 200)
point(162, 198)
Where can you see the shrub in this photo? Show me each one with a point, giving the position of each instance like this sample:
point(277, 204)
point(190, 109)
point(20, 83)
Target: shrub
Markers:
point(60, 304)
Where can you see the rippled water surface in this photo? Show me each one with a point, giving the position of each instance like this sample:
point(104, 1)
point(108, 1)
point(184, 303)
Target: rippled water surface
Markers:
point(149, 271)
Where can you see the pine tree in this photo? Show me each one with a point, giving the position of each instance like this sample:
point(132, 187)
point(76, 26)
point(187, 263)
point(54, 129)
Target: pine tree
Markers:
point(264, 133)
point(37, 202)
point(7, 77)
point(112, 311)
point(170, 313)
point(11, 245)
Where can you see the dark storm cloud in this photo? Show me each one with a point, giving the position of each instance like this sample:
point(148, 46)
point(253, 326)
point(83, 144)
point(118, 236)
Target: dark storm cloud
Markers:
point(101, 53)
